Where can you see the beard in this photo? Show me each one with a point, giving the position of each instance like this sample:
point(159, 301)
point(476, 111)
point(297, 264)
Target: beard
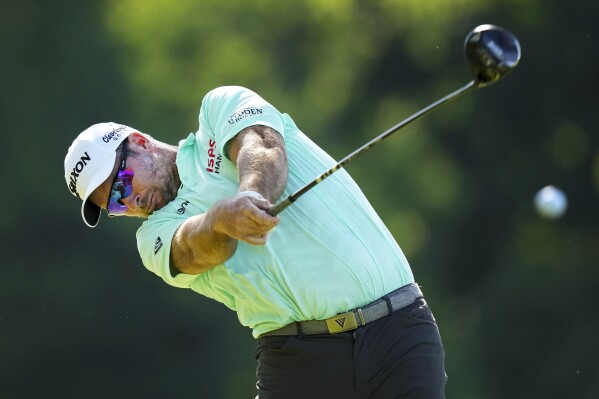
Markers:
point(166, 172)
point(162, 168)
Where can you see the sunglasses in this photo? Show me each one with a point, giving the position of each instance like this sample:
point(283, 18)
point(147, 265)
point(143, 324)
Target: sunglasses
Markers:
point(121, 188)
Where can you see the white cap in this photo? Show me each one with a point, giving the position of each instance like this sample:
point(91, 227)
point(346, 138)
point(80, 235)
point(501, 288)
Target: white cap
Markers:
point(90, 161)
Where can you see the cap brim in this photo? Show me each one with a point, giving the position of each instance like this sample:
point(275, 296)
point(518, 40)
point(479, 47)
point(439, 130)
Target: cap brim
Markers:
point(90, 211)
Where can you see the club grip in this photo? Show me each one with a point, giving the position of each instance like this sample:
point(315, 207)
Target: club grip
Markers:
point(280, 207)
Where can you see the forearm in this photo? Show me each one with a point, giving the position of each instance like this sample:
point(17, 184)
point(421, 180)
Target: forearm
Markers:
point(198, 245)
point(261, 162)
point(208, 240)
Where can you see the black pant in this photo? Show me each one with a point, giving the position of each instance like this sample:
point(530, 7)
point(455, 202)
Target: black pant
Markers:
point(398, 356)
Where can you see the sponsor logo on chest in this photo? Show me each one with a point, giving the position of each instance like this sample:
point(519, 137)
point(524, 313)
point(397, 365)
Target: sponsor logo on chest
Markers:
point(213, 163)
point(183, 207)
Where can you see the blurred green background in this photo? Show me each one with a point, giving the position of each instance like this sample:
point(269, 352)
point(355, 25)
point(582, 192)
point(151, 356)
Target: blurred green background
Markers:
point(515, 295)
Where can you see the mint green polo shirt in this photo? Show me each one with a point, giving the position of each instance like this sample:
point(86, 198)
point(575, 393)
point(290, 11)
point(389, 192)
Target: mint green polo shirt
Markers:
point(330, 253)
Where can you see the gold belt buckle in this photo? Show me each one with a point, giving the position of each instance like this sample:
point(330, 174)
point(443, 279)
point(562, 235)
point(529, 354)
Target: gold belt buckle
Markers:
point(342, 322)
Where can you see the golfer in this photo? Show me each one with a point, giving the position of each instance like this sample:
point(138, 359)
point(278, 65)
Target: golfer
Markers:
point(324, 286)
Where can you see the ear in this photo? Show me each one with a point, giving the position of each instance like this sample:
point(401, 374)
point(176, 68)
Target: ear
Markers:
point(141, 142)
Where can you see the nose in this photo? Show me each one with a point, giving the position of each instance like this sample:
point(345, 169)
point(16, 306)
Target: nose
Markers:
point(132, 201)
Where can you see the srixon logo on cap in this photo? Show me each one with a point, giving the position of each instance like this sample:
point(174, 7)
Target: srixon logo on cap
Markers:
point(76, 171)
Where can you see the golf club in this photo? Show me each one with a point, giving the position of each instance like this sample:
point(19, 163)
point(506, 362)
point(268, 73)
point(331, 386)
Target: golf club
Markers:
point(491, 53)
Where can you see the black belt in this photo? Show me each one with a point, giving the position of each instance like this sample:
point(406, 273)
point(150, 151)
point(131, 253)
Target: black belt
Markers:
point(353, 319)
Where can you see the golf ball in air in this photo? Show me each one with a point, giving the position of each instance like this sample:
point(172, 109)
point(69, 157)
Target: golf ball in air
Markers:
point(551, 202)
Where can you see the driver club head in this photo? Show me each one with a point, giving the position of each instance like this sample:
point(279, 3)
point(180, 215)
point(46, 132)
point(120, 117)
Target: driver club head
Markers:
point(491, 52)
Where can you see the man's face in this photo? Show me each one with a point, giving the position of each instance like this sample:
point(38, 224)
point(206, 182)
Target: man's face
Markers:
point(153, 183)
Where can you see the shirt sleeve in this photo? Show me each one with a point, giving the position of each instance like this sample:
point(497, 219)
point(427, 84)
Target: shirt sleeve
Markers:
point(229, 109)
point(154, 245)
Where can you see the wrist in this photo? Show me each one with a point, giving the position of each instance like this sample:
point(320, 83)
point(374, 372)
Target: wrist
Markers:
point(217, 217)
point(249, 193)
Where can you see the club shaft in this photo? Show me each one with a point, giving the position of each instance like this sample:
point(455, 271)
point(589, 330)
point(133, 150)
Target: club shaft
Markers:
point(279, 207)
